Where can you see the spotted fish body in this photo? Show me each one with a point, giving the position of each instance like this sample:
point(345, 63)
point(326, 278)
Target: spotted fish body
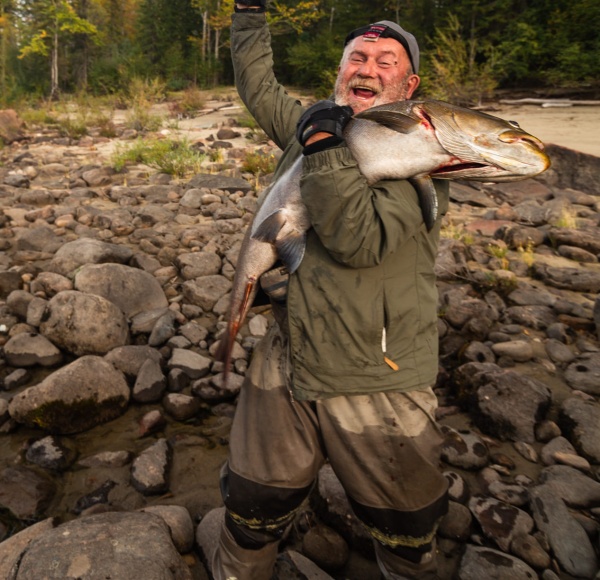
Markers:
point(415, 140)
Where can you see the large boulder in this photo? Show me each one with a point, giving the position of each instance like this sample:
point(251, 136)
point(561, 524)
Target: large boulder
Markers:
point(84, 323)
point(131, 289)
point(77, 397)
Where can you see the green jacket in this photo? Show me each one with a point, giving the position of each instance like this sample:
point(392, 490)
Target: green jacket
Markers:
point(369, 261)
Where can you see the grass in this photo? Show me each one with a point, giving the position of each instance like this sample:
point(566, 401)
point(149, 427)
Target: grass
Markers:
point(567, 219)
point(457, 232)
point(169, 156)
point(259, 163)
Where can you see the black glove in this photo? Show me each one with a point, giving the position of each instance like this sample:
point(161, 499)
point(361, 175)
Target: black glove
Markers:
point(326, 117)
point(260, 4)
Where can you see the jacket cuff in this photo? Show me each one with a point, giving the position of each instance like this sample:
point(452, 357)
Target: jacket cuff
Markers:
point(339, 155)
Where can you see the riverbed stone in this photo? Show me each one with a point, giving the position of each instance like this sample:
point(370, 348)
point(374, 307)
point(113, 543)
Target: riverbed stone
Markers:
point(584, 373)
point(72, 255)
point(150, 383)
point(30, 349)
point(131, 289)
point(580, 420)
point(180, 524)
point(206, 291)
point(191, 363)
point(130, 358)
point(479, 562)
point(568, 540)
point(84, 323)
point(464, 449)
point(150, 469)
point(87, 392)
point(109, 545)
point(52, 453)
point(25, 491)
point(574, 487)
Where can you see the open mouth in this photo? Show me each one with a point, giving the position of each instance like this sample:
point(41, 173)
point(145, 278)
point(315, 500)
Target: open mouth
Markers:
point(363, 93)
point(459, 167)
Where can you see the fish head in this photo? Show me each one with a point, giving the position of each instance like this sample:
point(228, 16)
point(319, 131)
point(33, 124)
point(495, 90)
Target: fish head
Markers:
point(482, 147)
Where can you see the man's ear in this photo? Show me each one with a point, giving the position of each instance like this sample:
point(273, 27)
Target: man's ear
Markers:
point(412, 83)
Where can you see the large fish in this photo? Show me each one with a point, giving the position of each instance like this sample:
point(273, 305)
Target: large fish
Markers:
point(414, 140)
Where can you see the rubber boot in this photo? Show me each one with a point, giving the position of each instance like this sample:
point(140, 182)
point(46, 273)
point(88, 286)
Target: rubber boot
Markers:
point(393, 567)
point(231, 562)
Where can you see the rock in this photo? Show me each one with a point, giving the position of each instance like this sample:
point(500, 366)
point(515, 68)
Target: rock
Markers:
point(191, 363)
point(109, 545)
point(181, 407)
point(584, 374)
point(97, 497)
point(151, 422)
point(580, 421)
point(507, 404)
point(479, 562)
point(206, 291)
point(512, 494)
point(180, 524)
point(163, 329)
point(11, 550)
point(51, 453)
point(73, 255)
point(458, 489)
point(556, 444)
point(569, 542)
point(456, 524)
point(30, 349)
point(130, 358)
point(575, 488)
point(84, 323)
point(25, 492)
point(110, 459)
point(559, 352)
point(325, 547)
point(11, 126)
point(39, 239)
point(518, 350)
point(199, 264)
point(529, 550)
point(150, 469)
point(9, 283)
point(150, 384)
point(576, 279)
point(85, 393)
point(132, 290)
point(210, 181)
point(291, 565)
point(500, 521)
point(464, 449)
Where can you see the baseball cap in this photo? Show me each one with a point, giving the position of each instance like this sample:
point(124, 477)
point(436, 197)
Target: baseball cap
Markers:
point(389, 29)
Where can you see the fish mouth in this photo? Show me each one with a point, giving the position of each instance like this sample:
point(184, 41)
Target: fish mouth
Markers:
point(458, 167)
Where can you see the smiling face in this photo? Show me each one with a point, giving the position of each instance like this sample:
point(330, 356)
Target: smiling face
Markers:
point(374, 73)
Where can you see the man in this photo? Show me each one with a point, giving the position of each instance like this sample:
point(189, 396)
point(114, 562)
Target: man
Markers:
point(345, 376)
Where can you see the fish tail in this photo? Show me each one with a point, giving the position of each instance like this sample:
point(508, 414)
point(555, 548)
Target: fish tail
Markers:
point(291, 250)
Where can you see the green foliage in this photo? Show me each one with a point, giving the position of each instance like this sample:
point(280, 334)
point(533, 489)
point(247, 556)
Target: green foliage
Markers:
point(173, 157)
point(259, 163)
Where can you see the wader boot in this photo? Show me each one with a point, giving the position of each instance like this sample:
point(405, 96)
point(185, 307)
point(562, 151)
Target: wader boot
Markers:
point(226, 560)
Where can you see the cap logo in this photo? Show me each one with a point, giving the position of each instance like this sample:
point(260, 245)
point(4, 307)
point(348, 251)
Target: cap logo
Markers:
point(374, 33)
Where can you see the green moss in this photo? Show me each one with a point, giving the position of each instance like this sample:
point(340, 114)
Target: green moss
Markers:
point(66, 418)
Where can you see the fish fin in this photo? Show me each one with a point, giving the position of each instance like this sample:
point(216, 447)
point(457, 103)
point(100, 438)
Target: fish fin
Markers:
point(290, 250)
point(267, 230)
point(399, 122)
point(428, 200)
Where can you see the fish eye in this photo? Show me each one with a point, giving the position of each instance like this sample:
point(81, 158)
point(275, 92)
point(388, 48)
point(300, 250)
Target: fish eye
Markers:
point(514, 124)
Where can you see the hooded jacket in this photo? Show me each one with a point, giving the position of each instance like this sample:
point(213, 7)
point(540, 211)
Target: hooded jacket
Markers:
point(362, 306)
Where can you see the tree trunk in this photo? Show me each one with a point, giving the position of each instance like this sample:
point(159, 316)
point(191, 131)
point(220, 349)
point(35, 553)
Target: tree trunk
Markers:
point(54, 69)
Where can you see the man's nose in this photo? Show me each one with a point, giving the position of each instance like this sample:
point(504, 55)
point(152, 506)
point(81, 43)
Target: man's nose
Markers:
point(367, 68)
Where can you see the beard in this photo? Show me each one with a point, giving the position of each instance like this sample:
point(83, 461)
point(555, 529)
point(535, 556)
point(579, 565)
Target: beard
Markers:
point(344, 93)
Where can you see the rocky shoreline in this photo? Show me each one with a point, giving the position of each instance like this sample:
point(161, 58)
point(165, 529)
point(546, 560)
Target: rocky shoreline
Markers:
point(113, 414)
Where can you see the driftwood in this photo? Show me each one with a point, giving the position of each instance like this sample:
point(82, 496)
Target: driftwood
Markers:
point(548, 102)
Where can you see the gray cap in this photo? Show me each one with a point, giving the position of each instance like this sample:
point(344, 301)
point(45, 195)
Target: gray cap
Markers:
point(389, 29)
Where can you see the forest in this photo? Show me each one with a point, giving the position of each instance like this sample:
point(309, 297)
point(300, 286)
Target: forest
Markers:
point(470, 48)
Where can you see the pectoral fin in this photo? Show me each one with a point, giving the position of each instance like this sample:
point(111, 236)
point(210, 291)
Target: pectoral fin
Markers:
point(400, 122)
point(269, 228)
point(290, 249)
point(427, 199)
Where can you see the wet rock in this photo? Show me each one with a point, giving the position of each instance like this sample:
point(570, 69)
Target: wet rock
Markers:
point(84, 323)
point(51, 453)
point(574, 487)
point(150, 384)
point(14, 380)
point(180, 524)
point(558, 444)
point(85, 393)
point(26, 492)
point(569, 542)
point(151, 422)
point(580, 421)
point(506, 404)
point(130, 358)
point(464, 449)
point(547, 430)
point(150, 469)
point(132, 290)
point(500, 521)
point(85, 548)
point(528, 549)
point(11, 550)
point(456, 524)
point(512, 494)
point(29, 349)
point(97, 497)
point(584, 374)
point(479, 562)
point(181, 407)
point(110, 459)
point(325, 547)
point(458, 489)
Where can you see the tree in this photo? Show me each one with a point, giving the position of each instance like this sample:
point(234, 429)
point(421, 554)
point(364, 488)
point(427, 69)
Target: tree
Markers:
point(49, 22)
